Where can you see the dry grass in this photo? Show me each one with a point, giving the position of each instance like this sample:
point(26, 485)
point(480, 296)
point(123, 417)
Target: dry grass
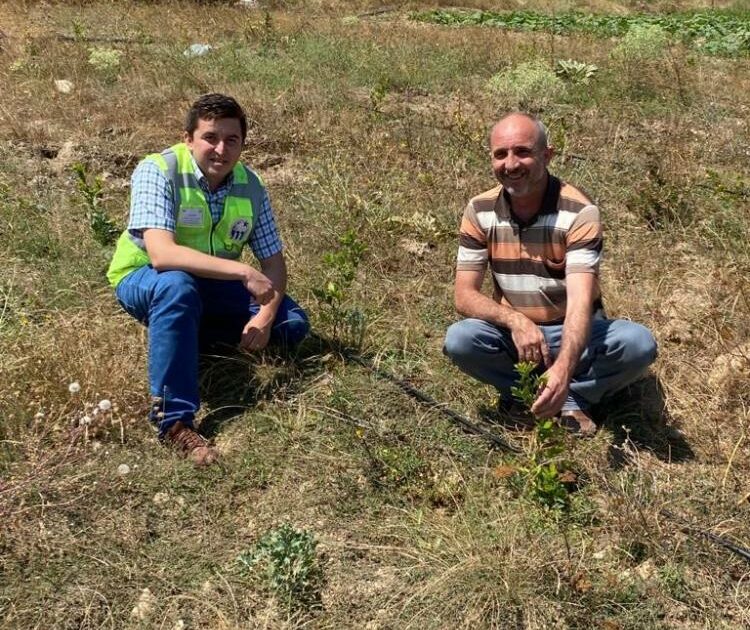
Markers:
point(360, 124)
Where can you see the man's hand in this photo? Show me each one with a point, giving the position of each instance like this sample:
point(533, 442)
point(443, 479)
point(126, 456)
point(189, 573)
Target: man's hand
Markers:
point(552, 395)
point(258, 285)
point(529, 340)
point(255, 334)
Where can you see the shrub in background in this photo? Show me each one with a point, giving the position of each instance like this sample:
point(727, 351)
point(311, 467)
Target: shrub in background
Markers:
point(647, 42)
point(106, 61)
point(528, 85)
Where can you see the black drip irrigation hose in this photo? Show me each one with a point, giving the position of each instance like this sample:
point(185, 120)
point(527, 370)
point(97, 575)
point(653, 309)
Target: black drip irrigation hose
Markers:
point(498, 441)
point(430, 402)
point(743, 552)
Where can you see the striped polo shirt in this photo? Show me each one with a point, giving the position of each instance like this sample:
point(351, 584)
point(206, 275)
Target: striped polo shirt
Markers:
point(529, 261)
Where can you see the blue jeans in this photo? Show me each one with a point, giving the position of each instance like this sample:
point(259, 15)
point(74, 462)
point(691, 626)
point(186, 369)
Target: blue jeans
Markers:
point(185, 313)
point(617, 354)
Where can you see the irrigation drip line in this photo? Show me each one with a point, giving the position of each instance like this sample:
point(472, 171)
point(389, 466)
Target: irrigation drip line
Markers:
point(430, 402)
point(498, 441)
point(743, 552)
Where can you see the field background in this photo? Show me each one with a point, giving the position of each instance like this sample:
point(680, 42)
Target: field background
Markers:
point(372, 124)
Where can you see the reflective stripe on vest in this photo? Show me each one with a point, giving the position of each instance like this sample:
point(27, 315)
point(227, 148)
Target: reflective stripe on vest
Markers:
point(194, 227)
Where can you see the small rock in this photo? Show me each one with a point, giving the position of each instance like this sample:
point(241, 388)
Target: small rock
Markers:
point(145, 604)
point(123, 469)
point(74, 387)
point(197, 50)
point(161, 498)
point(63, 86)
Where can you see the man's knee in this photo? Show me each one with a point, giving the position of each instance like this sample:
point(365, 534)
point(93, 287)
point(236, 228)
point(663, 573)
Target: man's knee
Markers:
point(459, 340)
point(295, 328)
point(179, 284)
point(639, 346)
point(177, 288)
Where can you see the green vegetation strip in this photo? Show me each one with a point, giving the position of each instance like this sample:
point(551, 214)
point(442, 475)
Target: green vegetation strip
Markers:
point(713, 32)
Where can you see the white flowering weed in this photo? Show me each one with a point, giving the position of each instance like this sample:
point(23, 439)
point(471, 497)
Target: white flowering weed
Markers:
point(529, 83)
point(106, 61)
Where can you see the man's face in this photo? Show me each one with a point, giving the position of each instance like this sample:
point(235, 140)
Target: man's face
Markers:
point(216, 146)
point(518, 162)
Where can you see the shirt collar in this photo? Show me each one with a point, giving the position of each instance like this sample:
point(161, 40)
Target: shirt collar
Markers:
point(549, 201)
point(203, 180)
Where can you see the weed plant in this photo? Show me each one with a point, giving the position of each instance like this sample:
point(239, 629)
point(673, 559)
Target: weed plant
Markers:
point(102, 227)
point(290, 566)
point(530, 85)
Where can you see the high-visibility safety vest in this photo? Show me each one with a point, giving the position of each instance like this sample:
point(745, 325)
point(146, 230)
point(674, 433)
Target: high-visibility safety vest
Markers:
point(194, 227)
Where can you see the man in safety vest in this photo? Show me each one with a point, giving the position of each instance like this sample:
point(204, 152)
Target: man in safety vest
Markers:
point(176, 267)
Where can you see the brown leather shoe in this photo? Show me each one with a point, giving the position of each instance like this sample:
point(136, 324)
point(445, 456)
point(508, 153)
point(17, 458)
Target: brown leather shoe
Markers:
point(578, 423)
point(191, 445)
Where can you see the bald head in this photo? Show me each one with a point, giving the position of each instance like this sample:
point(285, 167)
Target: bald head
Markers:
point(520, 154)
point(519, 121)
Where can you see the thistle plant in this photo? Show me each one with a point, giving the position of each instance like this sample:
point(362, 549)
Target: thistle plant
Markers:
point(289, 565)
point(576, 72)
point(106, 61)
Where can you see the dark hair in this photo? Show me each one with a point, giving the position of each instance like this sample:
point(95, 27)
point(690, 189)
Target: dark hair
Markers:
point(215, 107)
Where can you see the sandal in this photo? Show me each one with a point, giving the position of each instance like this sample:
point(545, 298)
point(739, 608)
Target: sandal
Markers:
point(578, 423)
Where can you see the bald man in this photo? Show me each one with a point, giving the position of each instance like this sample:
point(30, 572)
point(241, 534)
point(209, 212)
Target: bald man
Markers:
point(542, 241)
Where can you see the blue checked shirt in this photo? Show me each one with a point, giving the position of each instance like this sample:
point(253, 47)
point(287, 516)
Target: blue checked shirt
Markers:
point(151, 206)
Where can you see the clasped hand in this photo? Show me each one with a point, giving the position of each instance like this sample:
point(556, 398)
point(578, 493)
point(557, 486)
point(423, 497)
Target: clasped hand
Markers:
point(529, 341)
point(532, 346)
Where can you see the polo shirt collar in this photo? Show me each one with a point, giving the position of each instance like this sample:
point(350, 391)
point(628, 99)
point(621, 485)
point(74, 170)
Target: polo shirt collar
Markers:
point(549, 201)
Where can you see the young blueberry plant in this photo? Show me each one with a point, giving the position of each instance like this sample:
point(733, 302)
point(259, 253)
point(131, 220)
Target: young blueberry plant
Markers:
point(348, 323)
point(545, 474)
point(104, 230)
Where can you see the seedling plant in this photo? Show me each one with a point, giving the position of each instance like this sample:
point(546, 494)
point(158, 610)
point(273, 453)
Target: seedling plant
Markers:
point(104, 230)
point(544, 472)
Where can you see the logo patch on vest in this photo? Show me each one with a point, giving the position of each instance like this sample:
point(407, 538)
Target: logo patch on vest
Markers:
point(190, 216)
point(239, 230)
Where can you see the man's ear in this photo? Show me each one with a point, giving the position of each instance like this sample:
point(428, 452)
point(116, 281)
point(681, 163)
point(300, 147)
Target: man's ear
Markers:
point(549, 153)
point(187, 138)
